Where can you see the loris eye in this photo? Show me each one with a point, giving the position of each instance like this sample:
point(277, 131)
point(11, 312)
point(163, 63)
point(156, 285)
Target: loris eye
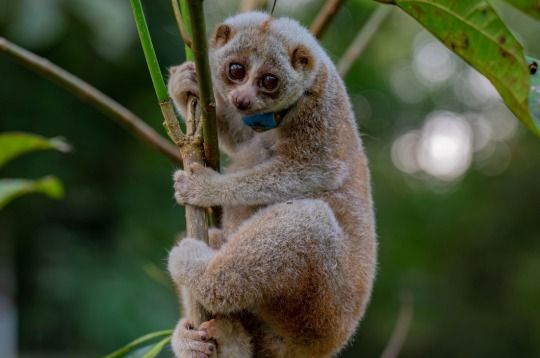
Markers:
point(269, 82)
point(236, 71)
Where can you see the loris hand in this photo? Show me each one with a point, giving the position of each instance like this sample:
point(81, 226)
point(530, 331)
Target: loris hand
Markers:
point(195, 186)
point(183, 83)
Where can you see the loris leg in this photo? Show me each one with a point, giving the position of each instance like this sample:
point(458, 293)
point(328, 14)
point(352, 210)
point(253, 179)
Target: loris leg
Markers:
point(268, 256)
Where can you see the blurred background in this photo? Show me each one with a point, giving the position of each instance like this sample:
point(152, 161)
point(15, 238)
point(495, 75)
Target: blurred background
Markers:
point(456, 182)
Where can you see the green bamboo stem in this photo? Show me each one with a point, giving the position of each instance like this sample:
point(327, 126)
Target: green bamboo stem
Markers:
point(149, 53)
point(190, 146)
point(181, 14)
point(187, 26)
point(206, 92)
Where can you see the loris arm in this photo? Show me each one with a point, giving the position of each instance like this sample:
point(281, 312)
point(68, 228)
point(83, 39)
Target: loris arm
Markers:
point(277, 180)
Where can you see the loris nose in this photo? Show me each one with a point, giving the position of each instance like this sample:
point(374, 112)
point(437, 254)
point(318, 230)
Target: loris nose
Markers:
point(242, 103)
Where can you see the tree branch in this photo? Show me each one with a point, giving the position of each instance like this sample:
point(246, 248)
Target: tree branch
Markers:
point(325, 16)
point(401, 328)
point(362, 40)
point(90, 94)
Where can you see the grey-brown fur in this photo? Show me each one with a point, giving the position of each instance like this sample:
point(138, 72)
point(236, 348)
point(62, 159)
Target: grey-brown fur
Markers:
point(291, 272)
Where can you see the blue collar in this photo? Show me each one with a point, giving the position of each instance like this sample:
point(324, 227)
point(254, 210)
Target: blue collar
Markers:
point(261, 122)
point(264, 121)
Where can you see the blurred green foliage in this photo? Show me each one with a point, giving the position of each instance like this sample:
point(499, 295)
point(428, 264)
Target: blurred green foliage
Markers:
point(15, 144)
point(466, 247)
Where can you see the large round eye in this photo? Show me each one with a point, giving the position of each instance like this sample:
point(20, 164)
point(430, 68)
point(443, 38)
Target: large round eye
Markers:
point(237, 71)
point(269, 82)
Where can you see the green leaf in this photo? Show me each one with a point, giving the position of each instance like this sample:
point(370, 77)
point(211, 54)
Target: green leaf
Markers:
point(13, 144)
point(473, 30)
point(534, 96)
point(139, 342)
point(157, 348)
point(529, 7)
point(13, 188)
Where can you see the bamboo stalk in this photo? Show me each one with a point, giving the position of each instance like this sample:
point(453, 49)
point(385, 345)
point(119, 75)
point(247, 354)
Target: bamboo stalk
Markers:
point(206, 92)
point(184, 26)
point(189, 145)
point(93, 96)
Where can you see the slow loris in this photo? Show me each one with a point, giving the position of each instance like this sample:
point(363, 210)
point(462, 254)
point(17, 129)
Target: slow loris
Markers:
point(291, 271)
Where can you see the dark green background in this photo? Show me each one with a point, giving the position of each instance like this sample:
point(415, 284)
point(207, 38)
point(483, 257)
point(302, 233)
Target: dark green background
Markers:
point(467, 251)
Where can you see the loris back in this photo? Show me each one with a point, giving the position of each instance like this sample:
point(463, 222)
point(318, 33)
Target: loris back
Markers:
point(298, 254)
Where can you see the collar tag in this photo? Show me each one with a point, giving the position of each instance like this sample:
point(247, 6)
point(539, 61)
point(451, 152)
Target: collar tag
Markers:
point(261, 122)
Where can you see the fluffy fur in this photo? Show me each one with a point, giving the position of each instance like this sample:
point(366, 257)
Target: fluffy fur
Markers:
point(291, 272)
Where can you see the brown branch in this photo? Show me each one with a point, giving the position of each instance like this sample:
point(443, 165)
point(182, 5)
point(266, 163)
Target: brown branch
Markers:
point(325, 16)
point(401, 328)
point(362, 40)
point(95, 97)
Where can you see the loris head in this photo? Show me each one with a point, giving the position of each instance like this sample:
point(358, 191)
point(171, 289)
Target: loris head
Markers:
point(263, 65)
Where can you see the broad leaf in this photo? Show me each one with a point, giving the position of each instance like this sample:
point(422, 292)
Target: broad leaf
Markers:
point(473, 30)
point(529, 7)
point(13, 188)
point(13, 144)
point(139, 342)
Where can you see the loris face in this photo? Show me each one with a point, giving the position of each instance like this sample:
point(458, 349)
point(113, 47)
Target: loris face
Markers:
point(256, 70)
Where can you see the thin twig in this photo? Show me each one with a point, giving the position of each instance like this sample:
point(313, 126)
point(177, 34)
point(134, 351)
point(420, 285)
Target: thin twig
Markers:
point(362, 40)
point(179, 21)
point(251, 5)
point(325, 16)
point(95, 97)
point(401, 328)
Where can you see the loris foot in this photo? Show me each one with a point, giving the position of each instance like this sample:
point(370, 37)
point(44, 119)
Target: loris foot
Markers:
point(231, 337)
point(188, 342)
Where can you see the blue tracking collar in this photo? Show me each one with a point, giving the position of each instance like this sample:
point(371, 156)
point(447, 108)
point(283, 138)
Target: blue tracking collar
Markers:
point(264, 121)
point(261, 122)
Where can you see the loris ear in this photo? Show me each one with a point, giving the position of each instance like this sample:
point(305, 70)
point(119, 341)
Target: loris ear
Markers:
point(222, 34)
point(302, 58)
